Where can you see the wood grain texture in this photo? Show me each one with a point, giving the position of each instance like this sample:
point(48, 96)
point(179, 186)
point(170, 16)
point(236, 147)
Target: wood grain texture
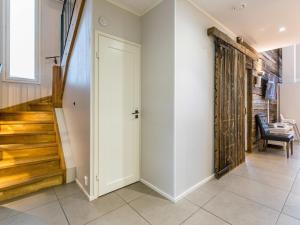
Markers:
point(230, 72)
point(271, 63)
point(31, 156)
point(26, 106)
point(213, 31)
point(57, 87)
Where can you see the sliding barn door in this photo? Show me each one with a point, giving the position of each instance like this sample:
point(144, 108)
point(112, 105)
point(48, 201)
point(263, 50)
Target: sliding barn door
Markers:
point(230, 72)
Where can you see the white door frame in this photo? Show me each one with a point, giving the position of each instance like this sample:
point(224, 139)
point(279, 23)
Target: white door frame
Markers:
point(94, 147)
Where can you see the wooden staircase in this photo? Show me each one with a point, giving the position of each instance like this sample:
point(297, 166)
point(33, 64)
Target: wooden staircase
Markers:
point(30, 154)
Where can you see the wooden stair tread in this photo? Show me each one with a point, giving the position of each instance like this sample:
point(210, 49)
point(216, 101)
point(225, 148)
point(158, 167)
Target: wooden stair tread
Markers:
point(42, 103)
point(26, 146)
point(12, 133)
point(4, 164)
point(27, 177)
point(30, 154)
point(26, 112)
point(9, 122)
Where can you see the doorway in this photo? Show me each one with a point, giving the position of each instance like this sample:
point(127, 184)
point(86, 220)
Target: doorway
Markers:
point(118, 63)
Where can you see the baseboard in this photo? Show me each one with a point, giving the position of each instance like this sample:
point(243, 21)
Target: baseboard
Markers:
point(181, 196)
point(194, 188)
point(89, 197)
point(153, 187)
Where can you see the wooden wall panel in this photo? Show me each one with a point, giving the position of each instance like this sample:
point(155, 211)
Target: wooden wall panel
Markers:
point(271, 63)
point(16, 93)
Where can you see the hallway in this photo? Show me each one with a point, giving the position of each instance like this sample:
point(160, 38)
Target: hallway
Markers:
point(265, 190)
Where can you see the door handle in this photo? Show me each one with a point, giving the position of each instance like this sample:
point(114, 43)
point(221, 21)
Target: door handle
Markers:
point(136, 114)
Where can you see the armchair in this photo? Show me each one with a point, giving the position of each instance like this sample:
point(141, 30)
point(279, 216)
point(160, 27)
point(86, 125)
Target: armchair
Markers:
point(266, 135)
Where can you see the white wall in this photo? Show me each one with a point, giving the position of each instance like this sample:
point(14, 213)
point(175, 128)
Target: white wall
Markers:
point(290, 88)
point(194, 94)
point(78, 90)
point(80, 78)
point(16, 93)
point(291, 64)
point(158, 33)
point(120, 23)
point(289, 103)
point(288, 64)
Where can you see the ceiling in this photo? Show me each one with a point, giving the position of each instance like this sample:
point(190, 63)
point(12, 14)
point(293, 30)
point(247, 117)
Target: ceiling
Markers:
point(138, 7)
point(259, 22)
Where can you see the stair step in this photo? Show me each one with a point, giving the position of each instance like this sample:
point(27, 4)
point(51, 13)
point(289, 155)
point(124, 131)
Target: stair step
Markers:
point(21, 169)
point(32, 186)
point(21, 153)
point(43, 106)
point(29, 156)
point(16, 133)
point(27, 137)
point(12, 151)
point(47, 125)
point(25, 116)
point(26, 146)
point(4, 164)
point(27, 178)
point(12, 122)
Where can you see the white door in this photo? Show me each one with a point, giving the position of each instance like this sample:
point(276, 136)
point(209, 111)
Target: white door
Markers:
point(119, 118)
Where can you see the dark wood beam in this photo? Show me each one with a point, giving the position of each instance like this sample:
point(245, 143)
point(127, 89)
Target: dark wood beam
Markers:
point(213, 31)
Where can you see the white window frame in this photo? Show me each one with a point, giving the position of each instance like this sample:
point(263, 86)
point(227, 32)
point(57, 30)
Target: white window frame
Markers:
point(6, 45)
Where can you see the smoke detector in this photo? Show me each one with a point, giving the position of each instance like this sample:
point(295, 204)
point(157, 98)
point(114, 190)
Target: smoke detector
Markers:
point(240, 7)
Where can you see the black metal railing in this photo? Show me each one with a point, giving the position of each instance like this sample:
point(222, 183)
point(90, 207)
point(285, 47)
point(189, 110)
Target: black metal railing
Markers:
point(66, 20)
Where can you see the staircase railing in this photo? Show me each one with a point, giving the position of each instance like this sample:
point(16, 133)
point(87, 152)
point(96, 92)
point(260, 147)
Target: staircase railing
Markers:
point(70, 19)
point(66, 20)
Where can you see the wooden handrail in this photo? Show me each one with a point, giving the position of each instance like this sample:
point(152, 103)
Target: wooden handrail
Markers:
point(68, 44)
point(56, 87)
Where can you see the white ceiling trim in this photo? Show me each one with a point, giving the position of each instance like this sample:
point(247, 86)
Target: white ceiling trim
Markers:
point(231, 33)
point(122, 6)
point(152, 7)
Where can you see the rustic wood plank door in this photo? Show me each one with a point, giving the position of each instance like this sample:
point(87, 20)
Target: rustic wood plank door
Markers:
point(230, 72)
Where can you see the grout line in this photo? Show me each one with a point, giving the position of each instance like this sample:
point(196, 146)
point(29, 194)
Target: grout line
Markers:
point(290, 216)
point(20, 198)
point(139, 214)
point(257, 181)
point(127, 202)
point(258, 203)
point(288, 195)
point(194, 213)
point(62, 208)
point(104, 214)
point(210, 199)
point(202, 207)
point(216, 216)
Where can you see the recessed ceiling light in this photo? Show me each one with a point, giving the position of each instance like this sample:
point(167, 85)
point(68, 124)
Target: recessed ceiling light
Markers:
point(282, 29)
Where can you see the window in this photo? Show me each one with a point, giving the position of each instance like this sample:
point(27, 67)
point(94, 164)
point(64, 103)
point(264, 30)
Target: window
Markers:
point(22, 40)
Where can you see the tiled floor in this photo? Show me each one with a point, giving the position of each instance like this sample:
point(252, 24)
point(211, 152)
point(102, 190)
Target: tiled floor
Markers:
point(265, 190)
